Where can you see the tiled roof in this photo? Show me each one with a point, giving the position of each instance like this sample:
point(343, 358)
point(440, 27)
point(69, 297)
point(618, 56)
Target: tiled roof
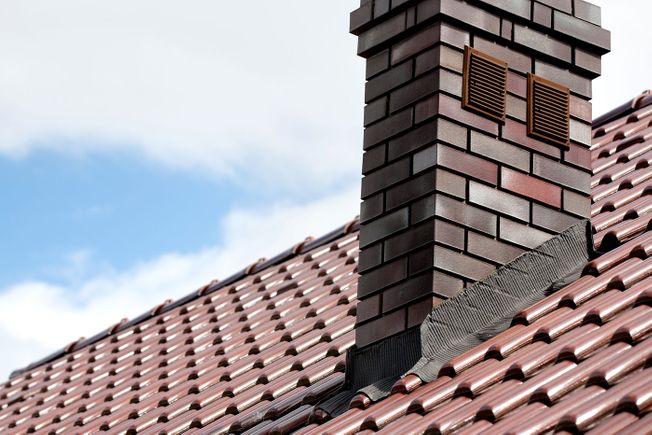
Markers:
point(257, 352)
point(579, 360)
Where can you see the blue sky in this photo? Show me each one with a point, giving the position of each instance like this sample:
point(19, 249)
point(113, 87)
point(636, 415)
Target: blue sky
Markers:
point(146, 148)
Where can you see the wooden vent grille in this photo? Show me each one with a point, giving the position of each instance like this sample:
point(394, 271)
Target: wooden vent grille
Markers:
point(485, 84)
point(548, 111)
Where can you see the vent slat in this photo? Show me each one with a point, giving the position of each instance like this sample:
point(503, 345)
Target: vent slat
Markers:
point(485, 84)
point(548, 111)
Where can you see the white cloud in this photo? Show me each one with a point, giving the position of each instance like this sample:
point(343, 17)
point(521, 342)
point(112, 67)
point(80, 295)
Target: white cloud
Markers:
point(261, 91)
point(39, 317)
point(626, 70)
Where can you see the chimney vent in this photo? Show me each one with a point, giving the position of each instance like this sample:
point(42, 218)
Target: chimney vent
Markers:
point(548, 111)
point(485, 84)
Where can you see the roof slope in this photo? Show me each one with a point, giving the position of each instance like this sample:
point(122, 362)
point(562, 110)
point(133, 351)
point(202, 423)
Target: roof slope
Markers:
point(255, 353)
point(579, 359)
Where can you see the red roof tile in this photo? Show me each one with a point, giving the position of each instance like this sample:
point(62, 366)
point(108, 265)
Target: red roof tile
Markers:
point(256, 353)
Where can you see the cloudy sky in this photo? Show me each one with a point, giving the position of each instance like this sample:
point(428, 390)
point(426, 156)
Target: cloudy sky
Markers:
point(147, 147)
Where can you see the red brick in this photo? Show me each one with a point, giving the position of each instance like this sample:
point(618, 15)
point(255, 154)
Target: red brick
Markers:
point(476, 167)
point(577, 203)
point(542, 15)
point(562, 174)
point(531, 187)
point(588, 12)
point(542, 42)
point(516, 132)
point(499, 201)
point(450, 183)
point(500, 151)
point(576, 83)
point(371, 332)
point(449, 234)
point(581, 109)
point(562, 5)
point(582, 30)
point(387, 81)
point(552, 220)
point(506, 29)
point(514, 59)
point(472, 15)
point(517, 84)
point(578, 155)
point(454, 36)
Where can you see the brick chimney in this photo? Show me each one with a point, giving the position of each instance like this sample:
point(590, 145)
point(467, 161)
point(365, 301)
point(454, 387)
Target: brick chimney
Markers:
point(450, 193)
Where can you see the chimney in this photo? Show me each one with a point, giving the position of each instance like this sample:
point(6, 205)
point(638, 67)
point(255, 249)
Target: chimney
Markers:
point(476, 143)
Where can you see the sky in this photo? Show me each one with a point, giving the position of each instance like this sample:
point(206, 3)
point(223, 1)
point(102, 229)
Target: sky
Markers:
point(149, 147)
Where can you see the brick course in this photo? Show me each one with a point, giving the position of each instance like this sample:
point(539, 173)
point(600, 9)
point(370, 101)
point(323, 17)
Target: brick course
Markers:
point(450, 195)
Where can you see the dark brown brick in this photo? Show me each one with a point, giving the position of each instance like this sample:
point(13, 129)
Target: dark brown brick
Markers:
point(471, 15)
point(552, 220)
point(450, 82)
point(468, 164)
point(588, 61)
point(542, 14)
point(499, 201)
point(418, 311)
point(377, 64)
point(451, 133)
point(416, 43)
point(409, 240)
point(446, 285)
point(515, 60)
point(385, 177)
point(387, 128)
point(424, 159)
point(370, 332)
point(522, 235)
point(516, 7)
point(410, 190)
point(368, 309)
point(465, 214)
point(588, 12)
point(387, 81)
point(373, 158)
point(517, 84)
point(382, 277)
point(450, 183)
point(380, 33)
point(562, 5)
point(582, 30)
point(500, 151)
point(573, 81)
point(516, 108)
point(370, 257)
point(383, 227)
point(375, 110)
point(543, 43)
point(449, 234)
point(381, 7)
point(420, 261)
point(372, 207)
point(452, 109)
point(426, 109)
point(413, 91)
point(422, 209)
point(531, 187)
point(461, 265)
point(413, 140)
point(578, 155)
point(406, 292)
point(580, 132)
point(562, 174)
point(440, 56)
point(360, 17)
point(454, 36)
point(577, 204)
point(506, 29)
point(516, 132)
point(581, 109)
point(492, 249)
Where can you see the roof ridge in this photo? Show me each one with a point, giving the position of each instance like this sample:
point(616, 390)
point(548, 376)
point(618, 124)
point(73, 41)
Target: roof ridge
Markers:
point(308, 244)
point(642, 100)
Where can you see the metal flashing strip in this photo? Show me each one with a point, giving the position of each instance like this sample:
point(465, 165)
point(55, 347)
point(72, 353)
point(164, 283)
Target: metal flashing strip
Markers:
point(478, 313)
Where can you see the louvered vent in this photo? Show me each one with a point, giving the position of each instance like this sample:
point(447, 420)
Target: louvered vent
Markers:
point(548, 111)
point(485, 84)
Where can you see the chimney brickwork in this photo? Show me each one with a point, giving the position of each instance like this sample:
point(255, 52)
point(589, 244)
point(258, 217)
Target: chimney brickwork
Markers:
point(449, 195)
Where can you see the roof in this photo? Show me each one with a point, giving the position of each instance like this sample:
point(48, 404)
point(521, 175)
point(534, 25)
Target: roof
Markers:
point(257, 351)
